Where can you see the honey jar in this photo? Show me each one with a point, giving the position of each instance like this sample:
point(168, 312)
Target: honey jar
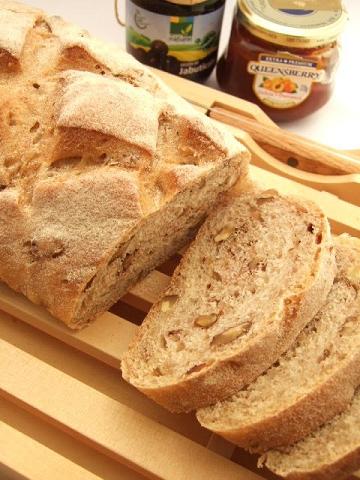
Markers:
point(283, 55)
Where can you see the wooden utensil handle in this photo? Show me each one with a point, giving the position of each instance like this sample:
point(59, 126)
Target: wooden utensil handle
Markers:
point(289, 147)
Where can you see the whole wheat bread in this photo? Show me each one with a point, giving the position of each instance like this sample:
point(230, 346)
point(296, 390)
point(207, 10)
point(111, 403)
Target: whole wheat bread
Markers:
point(258, 271)
point(312, 382)
point(330, 453)
point(104, 171)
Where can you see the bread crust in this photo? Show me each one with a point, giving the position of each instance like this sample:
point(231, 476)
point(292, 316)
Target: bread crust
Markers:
point(338, 470)
point(227, 376)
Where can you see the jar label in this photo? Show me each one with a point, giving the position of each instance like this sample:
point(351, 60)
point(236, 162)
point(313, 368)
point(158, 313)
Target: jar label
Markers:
point(284, 81)
point(180, 45)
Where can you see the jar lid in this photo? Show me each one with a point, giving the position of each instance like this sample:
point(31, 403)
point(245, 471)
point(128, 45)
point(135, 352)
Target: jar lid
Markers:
point(294, 23)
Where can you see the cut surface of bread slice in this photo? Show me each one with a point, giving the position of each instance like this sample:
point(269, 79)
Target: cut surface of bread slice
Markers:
point(104, 171)
point(259, 269)
point(330, 453)
point(312, 382)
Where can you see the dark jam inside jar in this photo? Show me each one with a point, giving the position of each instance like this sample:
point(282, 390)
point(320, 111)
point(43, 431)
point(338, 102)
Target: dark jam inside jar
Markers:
point(239, 67)
point(179, 9)
point(177, 37)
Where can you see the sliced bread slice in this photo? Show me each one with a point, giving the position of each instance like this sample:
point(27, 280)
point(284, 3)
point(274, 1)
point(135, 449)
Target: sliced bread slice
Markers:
point(311, 383)
point(331, 453)
point(260, 268)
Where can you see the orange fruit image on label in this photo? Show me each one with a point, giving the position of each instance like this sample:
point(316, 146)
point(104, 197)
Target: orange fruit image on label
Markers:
point(282, 80)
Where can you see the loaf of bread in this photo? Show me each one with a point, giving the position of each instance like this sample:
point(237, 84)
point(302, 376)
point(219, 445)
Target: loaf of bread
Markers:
point(104, 171)
point(311, 383)
point(258, 271)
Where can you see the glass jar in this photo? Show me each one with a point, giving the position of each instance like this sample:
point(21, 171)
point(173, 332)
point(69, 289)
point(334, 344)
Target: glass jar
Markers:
point(178, 36)
point(283, 59)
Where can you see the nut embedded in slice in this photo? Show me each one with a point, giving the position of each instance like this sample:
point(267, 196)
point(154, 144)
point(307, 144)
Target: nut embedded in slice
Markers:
point(266, 197)
point(224, 234)
point(205, 321)
point(168, 303)
point(231, 334)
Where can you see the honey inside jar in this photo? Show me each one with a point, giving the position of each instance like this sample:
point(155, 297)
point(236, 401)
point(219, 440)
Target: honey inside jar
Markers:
point(283, 59)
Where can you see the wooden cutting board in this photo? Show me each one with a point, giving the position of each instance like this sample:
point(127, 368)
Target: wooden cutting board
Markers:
point(65, 410)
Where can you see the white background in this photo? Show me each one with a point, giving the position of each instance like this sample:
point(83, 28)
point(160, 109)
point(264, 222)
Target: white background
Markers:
point(336, 124)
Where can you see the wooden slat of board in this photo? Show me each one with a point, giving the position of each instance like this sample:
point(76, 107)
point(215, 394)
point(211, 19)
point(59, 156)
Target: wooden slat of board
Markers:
point(220, 445)
point(110, 427)
point(344, 217)
point(106, 339)
point(96, 375)
point(23, 456)
point(35, 450)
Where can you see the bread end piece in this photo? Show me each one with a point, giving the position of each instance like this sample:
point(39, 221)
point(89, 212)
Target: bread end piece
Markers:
point(330, 453)
point(157, 237)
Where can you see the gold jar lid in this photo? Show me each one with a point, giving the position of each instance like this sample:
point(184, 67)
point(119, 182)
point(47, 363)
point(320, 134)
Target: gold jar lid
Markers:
point(294, 23)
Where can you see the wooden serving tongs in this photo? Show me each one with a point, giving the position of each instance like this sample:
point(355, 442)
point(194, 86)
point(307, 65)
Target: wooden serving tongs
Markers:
point(293, 156)
point(273, 148)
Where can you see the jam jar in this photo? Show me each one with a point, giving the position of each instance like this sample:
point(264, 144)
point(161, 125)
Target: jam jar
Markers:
point(283, 57)
point(178, 36)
